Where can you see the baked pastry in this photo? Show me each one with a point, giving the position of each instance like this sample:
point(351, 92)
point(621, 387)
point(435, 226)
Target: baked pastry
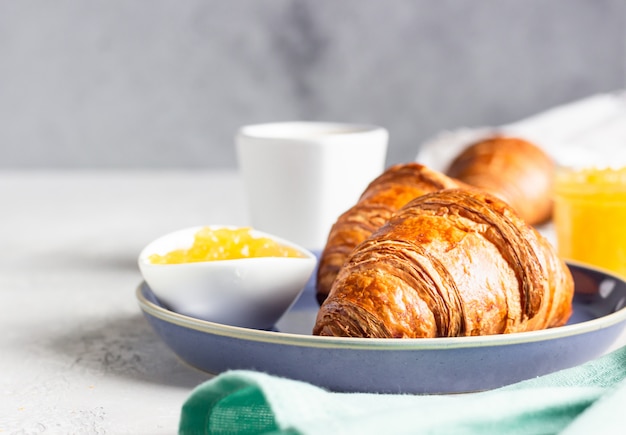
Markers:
point(513, 169)
point(454, 262)
point(395, 187)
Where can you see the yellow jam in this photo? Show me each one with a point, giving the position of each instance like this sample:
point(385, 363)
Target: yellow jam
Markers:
point(226, 244)
point(590, 216)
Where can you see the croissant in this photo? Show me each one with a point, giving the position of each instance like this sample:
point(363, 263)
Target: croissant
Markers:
point(454, 262)
point(395, 187)
point(517, 171)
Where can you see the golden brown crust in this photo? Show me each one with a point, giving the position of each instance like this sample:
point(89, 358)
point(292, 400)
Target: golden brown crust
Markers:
point(450, 263)
point(394, 188)
point(513, 169)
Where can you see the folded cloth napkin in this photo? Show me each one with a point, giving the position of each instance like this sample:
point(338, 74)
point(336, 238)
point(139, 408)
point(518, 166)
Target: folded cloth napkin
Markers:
point(590, 398)
point(582, 132)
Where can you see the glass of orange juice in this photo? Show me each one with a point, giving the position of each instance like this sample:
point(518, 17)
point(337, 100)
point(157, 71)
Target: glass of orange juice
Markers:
point(590, 216)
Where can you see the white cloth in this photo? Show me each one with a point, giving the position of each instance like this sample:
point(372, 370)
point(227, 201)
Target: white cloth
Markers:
point(591, 131)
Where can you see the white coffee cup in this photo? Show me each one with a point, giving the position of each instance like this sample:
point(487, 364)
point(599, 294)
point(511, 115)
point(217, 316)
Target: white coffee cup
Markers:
point(300, 176)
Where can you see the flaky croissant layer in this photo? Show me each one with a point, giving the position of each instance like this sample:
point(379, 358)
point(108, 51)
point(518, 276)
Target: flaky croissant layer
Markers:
point(450, 263)
point(398, 185)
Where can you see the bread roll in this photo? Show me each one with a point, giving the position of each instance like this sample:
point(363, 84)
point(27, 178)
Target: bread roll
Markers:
point(454, 262)
point(398, 185)
point(513, 169)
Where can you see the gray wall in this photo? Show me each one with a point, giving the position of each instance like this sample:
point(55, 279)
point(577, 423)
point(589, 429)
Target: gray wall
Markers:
point(165, 84)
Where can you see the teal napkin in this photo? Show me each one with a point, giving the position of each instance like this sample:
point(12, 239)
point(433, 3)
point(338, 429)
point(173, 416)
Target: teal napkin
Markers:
point(590, 398)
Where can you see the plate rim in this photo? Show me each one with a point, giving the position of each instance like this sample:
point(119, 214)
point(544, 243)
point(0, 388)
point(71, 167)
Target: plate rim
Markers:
point(384, 344)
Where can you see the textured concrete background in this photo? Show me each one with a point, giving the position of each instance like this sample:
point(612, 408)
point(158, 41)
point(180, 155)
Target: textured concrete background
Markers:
point(165, 84)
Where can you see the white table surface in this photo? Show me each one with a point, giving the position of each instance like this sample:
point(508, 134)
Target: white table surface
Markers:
point(76, 354)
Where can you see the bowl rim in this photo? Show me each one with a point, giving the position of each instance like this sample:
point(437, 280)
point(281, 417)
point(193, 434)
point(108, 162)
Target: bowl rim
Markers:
point(148, 249)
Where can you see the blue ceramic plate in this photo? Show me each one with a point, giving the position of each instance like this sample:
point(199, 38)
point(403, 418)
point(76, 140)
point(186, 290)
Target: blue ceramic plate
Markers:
point(429, 365)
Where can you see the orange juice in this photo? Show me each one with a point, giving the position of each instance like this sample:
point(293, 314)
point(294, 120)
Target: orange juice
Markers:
point(590, 216)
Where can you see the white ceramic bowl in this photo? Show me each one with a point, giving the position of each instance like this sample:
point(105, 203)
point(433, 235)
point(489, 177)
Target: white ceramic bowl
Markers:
point(248, 292)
